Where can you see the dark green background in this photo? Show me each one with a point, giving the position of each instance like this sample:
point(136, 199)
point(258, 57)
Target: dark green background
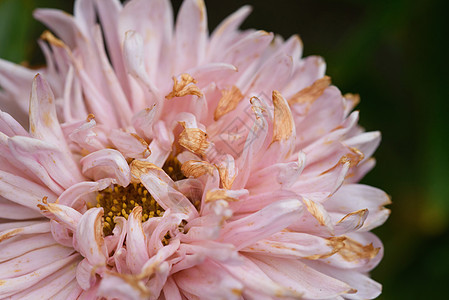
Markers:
point(393, 53)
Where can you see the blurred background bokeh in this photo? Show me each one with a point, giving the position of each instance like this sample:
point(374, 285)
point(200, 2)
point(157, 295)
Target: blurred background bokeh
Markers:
point(394, 54)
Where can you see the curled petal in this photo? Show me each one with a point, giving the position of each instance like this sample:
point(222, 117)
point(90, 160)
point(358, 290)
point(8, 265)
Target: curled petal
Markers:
point(137, 253)
point(130, 144)
point(62, 214)
point(85, 274)
point(161, 187)
point(106, 163)
point(89, 237)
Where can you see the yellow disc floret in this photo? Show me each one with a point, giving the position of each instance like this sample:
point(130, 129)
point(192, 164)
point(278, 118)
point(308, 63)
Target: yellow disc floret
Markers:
point(118, 201)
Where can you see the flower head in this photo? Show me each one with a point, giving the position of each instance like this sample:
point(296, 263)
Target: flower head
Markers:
point(167, 163)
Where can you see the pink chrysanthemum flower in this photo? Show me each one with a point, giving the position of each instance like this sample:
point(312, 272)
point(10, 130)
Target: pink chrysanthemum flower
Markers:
point(164, 163)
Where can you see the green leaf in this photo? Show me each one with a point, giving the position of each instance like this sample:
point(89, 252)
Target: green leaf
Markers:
point(15, 19)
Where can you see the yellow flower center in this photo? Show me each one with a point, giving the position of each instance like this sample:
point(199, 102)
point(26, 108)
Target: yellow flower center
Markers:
point(119, 201)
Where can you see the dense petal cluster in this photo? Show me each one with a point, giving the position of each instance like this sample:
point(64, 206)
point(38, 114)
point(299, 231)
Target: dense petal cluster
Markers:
point(162, 162)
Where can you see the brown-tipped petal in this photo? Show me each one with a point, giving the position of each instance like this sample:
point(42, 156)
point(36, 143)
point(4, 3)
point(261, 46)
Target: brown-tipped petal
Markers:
point(354, 251)
point(351, 222)
point(185, 86)
point(196, 168)
point(318, 212)
point(309, 94)
point(283, 125)
point(89, 237)
point(227, 171)
point(137, 254)
point(139, 167)
point(194, 140)
point(352, 100)
point(228, 102)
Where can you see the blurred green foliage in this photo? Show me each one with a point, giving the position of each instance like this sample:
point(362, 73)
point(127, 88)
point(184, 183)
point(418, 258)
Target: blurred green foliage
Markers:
point(391, 52)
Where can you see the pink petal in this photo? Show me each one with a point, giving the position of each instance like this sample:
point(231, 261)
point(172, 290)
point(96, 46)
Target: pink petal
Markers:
point(116, 94)
point(70, 291)
point(89, 236)
point(14, 80)
point(44, 123)
point(33, 260)
point(153, 21)
point(256, 202)
point(209, 281)
point(244, 53)
point(161, 188)
point(115, 242)
point(325, 114)
point(171, 290)
point(63, 24)
point(106, 163)
point(365, 286)
point(13, 211)
point(11, 164)
point(267, 221)
point(227, 30)
point(253, 144)
point(272, 75)
point(96, 99)
point(168, 223)
point(46, 161)
point(15, 224)
point(9, 126)
point(133, 48)
point(351, 222)
point(300, 278)
point(137, 253)
point(109, 17)
point(306, 72)
point(366, 142)
point(318, 188)
point(51, 285)
point(201, 251)
point(85, 275)
point(85, 15)
point(284, 176)
point(74, 196)
point(359, 196)
point(254, 279)
point(63, 214)
point(143, 122)
point(22, 191)
point(86, 137)
point(212, 72)
point(190, 35)
point(293, 245)
point(61, 234)
point(13, 233)
point(361, 259)
point(14, 285)
point(129, 144)
point(22, 245)
point(114, 285)
point(362, 169)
